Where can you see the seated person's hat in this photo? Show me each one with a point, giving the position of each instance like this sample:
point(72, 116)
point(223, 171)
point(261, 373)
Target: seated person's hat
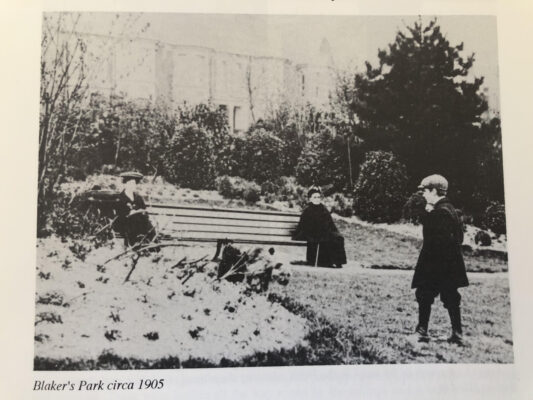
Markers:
point(126, 176)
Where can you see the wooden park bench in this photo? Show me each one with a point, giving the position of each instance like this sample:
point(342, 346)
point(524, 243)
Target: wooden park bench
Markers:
point(190, 223)
point(222, 226)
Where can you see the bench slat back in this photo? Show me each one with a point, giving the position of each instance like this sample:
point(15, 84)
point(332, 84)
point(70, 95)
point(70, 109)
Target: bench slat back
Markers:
point(217, 214)
point(213, 223)
point(214, 236)
point(197, 220)
point(254, 230)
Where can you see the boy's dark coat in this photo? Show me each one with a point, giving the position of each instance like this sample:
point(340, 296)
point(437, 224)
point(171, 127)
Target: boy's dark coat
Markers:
point(441, 264)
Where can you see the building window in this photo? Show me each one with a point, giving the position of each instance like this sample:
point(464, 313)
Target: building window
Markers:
point(238, 119)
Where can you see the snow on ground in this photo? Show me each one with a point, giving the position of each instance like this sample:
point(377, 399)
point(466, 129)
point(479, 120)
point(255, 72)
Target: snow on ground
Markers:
point(84, 308)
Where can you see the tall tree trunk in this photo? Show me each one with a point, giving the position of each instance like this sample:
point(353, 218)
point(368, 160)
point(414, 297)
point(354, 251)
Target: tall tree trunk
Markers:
point(250, 88)
point(118, 149)
point(349, 162)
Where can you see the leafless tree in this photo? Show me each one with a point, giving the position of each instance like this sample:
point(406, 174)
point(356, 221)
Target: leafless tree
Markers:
point(66, 72)
point(342, 104)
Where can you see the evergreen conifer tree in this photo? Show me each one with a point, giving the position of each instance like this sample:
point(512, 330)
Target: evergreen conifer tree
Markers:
point(421, 103)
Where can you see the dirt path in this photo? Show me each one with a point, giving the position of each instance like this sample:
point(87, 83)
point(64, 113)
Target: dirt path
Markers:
point(288, 255)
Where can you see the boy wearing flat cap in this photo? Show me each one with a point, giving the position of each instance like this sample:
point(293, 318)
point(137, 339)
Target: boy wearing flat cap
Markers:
point(440, 268)
point(132, 220)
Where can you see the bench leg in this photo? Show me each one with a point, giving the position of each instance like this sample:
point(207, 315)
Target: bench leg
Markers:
point(220, 243)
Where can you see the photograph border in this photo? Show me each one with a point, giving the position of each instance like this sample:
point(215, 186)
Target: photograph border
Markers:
point(439, 381)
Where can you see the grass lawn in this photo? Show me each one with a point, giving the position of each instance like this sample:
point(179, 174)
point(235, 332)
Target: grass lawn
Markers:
point(379, 248)
point(379, 308)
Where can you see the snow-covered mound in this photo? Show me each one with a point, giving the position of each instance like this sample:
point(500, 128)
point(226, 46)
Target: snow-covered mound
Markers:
point(170, 306)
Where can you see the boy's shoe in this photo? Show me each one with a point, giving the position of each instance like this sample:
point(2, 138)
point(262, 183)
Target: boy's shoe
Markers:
point(456, 338)
point(422, 334)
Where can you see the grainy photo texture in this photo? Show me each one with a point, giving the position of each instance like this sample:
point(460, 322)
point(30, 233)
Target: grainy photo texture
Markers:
point(252, 190)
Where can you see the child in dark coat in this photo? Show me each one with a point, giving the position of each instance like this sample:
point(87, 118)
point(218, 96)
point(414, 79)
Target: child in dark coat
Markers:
point(325, 245)
point(440, 268)
point(132, 221)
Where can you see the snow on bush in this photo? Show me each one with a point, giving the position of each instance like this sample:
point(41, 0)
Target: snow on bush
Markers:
point(495, 218)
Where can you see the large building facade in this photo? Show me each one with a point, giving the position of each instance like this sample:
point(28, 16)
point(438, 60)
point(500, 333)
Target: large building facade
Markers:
point(248, 87)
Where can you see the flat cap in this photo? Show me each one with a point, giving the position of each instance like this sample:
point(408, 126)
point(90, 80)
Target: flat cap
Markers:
point(434, 182)
point(131, 175)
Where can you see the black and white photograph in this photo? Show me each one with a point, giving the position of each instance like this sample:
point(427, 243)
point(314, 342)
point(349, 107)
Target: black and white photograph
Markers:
point(238, 190)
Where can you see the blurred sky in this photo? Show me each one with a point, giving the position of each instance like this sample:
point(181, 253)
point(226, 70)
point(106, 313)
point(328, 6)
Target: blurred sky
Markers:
point(352, 39)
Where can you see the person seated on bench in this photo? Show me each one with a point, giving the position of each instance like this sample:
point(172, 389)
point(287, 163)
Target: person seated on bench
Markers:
point(325, 245)
point(132, 221)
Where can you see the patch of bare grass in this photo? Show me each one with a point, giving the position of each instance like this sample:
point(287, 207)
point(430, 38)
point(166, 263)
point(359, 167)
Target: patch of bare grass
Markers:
point(381, 249)
point(380, 309)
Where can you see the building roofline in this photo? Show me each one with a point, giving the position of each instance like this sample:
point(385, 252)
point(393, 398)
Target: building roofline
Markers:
point(203, 48)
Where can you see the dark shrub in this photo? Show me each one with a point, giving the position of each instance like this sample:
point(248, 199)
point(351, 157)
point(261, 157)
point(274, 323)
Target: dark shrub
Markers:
point(312, 167)
point(342, 206)
point(414, 208)
point(231, 187)
point(269, 187)
point(126, 134)
point(290, 188)
point(495, 218)
point(234, 187)
point(324, 161)
point(214, 120)
point(224, 185)
point(190, 159)
point(71, 217)
point(236, 156)
point(483, 238)
point(252, 193)
point(286, 122)
point(261, 156)
point(227, 146)
point(380, 191)
point(292, 147)
point(466, 218)
point(270, 198)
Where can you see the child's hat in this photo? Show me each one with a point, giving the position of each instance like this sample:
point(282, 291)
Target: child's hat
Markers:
point(434, 182)
point(312, 190)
